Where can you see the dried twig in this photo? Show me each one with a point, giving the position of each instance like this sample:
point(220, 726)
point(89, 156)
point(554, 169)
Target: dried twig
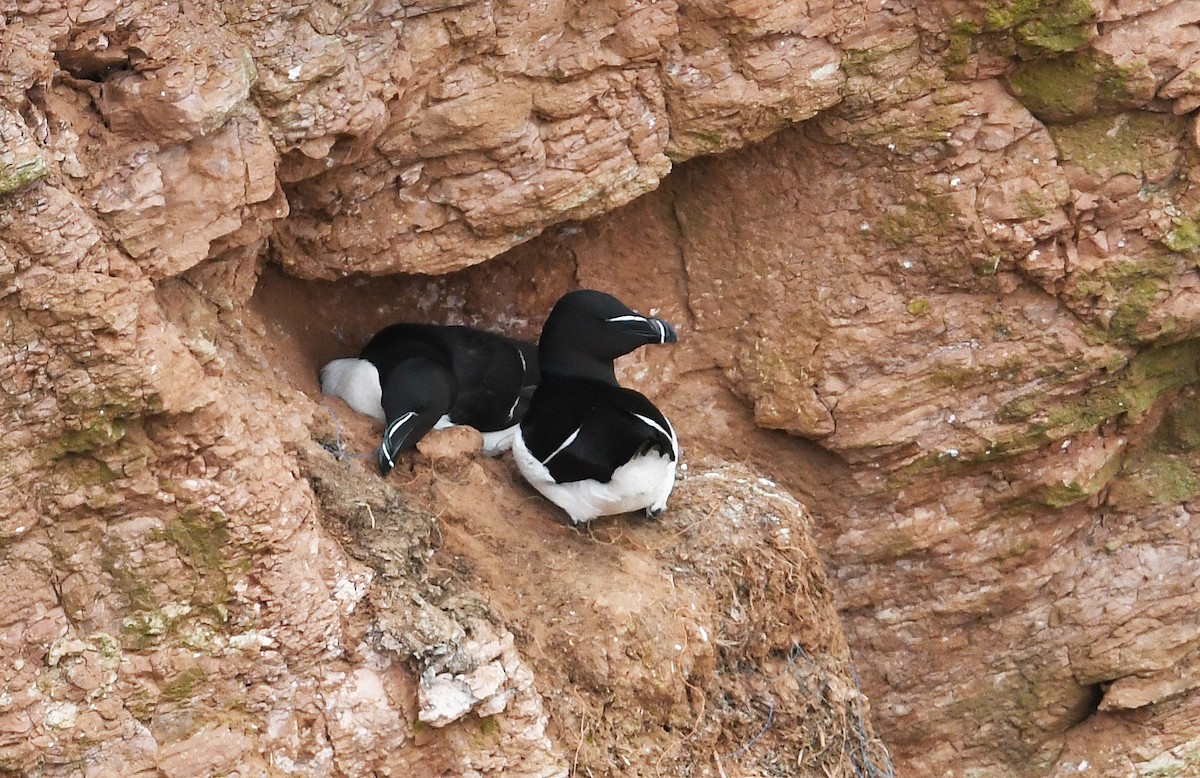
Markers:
point(579, 745)
point(370, 512)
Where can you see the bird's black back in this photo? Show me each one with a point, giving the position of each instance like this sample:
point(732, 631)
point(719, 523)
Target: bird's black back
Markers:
point(493, 385)
point(610, 434)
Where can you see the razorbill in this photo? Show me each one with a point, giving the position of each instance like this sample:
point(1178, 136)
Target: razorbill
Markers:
point(418, 377)
point(588, 445)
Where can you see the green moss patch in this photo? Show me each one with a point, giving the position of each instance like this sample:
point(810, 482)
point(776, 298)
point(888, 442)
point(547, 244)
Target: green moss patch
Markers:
point(1166, 469)
point(963, 40)
point(96, 433)
point(1166, 478)
point(202, 540)
point(1127, 292)
point(22, 173)
point(1138, 143)
point(1028, 29)
point(918, 306)
point(1044, 25)
point(1070, 491)
point(1184, 235)
point(1148, 376)
point(489, 725)
point(183, 686)
point(1071, 87)
point(927, 217)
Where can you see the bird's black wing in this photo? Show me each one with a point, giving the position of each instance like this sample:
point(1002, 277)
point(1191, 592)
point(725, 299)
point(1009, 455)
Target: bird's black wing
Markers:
point(496, 376)
point(583, 430)
point(399, 342)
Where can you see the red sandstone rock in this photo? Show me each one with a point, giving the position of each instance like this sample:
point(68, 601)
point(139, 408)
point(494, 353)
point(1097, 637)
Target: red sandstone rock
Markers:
point(963, 335)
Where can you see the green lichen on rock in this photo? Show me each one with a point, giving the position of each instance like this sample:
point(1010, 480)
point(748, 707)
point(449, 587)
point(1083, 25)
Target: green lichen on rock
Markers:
point(1137, 143)
point(202, 540)
point(927, 218)
point(1018, 410)
point(199, 537)
point(145, 627)
point(1071, 87)
point(183, 686)
point(126, 580)
point(880, 58)
point(1166, 469)
point(918, 306)
point(21, 173)
point(1126, 293)
point(1069, 491)
point(1184, 236)
point(962, 39)
point(1135, 305)
point(94, 433)
point(1044, 25)
point(1147, 377)
point(1029, 29)
point(1169, 478)
point(1006, 700)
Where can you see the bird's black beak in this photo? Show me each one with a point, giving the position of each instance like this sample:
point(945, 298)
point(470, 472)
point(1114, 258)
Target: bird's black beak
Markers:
point(666, 333)
point(652, 329)
point(394, 437)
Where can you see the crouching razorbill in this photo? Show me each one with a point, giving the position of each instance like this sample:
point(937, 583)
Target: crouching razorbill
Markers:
point(418, 377)
point(588, 445)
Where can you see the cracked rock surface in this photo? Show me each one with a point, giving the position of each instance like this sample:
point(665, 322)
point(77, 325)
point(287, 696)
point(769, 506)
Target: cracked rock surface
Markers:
point(934, 271)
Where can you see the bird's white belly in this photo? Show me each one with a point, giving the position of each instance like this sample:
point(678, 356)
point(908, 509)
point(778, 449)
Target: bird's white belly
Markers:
point(356, 381)
point(496, 443)
point(642, 482)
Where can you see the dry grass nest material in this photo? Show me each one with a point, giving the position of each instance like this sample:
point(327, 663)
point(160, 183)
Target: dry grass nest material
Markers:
point(773, 692)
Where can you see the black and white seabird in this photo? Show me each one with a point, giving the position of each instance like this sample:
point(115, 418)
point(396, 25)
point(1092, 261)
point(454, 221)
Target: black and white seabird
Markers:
point(418, 377)
point(588, 445)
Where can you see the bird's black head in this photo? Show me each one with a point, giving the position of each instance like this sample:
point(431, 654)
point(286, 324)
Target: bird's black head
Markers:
point(587, 330)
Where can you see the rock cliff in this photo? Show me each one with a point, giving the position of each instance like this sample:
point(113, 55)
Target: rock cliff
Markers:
point(934, 270)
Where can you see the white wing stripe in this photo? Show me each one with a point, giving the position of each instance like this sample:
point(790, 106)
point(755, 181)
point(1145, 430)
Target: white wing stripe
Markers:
point(670, 434)
point(674, 437)
point(627, 318)
point(570, 439)
point(387, 435)
point(392, 427)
